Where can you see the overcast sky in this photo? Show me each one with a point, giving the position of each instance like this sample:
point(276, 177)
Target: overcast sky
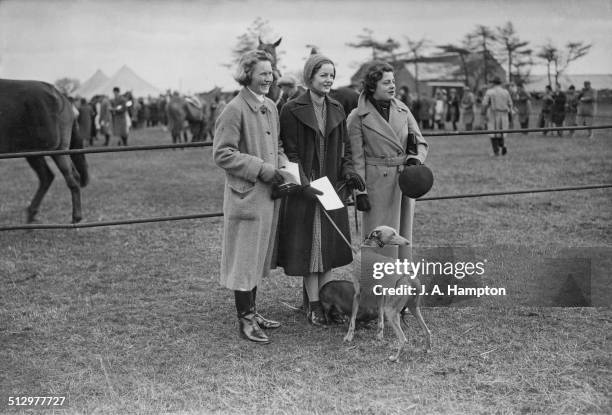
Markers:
point(183, 44)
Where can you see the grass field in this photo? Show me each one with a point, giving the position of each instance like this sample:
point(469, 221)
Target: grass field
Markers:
point(131, 319)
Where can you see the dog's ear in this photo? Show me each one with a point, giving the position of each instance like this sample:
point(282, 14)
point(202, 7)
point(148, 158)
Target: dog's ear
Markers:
point(375, 234)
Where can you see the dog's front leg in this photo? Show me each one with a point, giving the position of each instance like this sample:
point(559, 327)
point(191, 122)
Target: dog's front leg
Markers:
point(381, 318)
point(351, 329)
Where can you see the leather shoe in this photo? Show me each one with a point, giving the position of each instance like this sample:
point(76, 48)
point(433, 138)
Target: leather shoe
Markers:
point(264, 323)
point(316, 316)
point(250, 330)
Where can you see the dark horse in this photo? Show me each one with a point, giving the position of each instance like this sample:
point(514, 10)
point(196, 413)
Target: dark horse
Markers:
point(275, 91)
point(35, 116)
point(186, 109)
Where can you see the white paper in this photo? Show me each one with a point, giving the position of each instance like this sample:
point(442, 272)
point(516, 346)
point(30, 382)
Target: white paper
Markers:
point(329, 199)
point(291, 172)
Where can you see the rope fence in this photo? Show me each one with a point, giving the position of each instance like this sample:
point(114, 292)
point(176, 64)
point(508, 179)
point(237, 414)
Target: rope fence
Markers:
point(97, 150)
point(33, 226)
point(91, 150)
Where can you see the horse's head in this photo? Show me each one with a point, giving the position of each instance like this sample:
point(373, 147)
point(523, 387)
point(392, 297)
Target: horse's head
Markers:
point(270, 48)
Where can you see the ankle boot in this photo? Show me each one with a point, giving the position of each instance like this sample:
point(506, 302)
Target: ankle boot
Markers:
point(316, 315)
point(250, 330)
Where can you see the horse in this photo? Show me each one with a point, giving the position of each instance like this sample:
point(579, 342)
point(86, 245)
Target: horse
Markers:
point(35, 116)
point(176, 118)
point(275, 92)
point(196, 115)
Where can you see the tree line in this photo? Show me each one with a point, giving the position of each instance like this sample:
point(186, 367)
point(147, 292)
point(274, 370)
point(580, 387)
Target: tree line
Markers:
point(501, 43)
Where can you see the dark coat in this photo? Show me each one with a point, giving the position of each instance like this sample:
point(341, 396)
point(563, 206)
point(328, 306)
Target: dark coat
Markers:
point(298, 132)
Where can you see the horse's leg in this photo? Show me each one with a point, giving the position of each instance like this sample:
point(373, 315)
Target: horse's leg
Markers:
point(45, 178)
point(64, 164)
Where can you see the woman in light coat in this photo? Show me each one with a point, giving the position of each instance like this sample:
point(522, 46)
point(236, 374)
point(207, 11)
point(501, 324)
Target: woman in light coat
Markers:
point(247, 147)
point(384, 138)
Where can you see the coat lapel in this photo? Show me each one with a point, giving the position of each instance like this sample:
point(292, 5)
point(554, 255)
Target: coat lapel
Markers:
point(389, 131)
point(334, 116)
point(303, 111)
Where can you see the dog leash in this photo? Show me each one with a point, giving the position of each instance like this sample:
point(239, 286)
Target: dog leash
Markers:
point(355, 251)
point(342, 186)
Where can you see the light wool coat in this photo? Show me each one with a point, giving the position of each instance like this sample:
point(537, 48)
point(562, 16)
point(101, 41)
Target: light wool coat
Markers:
point(379, 151)
point(246, 141)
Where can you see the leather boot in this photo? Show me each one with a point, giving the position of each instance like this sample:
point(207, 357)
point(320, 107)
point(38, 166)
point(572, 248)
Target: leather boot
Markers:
point(265, 323)
point(316, 315)
point(250, 330)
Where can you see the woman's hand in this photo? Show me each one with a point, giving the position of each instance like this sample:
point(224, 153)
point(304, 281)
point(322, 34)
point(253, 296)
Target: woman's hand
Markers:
point(310, 192)
point(270, 175)
point(354, 181)
point(362, 203)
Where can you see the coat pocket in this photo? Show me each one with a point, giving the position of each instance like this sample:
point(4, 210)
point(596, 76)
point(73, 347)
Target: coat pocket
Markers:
point(242, 200)
point(240, 187)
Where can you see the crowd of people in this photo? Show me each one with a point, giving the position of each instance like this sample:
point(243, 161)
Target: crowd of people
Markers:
point(115, 116)
point(452, 109)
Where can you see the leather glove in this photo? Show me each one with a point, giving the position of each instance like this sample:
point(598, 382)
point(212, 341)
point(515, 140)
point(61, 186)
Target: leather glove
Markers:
point(285, 189)
point(363, 203)
point(310, 192)
point(413, 162)
point(354, 181)
point(270, 175)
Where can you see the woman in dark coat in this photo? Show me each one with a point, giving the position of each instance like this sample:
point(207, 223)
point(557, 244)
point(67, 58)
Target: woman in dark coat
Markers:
point(314, 135)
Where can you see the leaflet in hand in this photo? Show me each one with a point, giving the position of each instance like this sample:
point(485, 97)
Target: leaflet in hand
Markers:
point(329, 199)
point(291, 172)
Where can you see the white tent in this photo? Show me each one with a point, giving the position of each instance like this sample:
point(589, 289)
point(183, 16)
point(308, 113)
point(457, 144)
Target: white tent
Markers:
point(127, 80)
point(95, 81)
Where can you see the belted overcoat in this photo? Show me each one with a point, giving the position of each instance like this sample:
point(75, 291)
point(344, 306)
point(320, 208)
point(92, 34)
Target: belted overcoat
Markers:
point(379, 150)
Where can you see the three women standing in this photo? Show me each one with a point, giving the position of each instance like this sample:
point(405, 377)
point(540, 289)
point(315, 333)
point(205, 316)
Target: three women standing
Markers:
point(314, 135)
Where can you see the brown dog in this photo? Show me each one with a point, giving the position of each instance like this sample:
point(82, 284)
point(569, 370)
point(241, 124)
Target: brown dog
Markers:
point(336, 296)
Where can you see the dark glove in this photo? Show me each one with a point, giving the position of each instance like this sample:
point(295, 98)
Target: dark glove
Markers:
point(413, 162)
point(273, 177)
point(285, 189)
point(354, 181)
point(363, 203)
point(310, 192)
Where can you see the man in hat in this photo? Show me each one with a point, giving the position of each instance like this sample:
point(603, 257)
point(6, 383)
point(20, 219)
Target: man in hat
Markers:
point(290, 88)
point(498, 101)
point(119, 110)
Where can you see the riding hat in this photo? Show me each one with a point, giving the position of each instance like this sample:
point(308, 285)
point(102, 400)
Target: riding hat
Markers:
point(415, 180)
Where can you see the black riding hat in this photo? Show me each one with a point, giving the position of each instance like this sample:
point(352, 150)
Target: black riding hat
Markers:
point(416, 180)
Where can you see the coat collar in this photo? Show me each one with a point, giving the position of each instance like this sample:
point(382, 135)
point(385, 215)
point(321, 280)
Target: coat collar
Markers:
point(371, 118)
point(304, 112)
point(252, 100)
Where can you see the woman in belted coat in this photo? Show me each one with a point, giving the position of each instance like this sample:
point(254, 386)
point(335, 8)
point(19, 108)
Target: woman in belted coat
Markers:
point(384, 138)
point(314, 135)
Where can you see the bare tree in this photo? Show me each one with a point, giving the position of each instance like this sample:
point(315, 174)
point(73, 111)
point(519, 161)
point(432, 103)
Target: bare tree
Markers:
point(380, 50)
point(573, 51)
point(514, 49)
point(415, 53)
point(481, 39)
point(67, 85)
point(550, 54)
point(561, 59)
